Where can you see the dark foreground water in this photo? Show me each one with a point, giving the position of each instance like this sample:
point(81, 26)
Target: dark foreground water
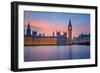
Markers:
point(44, 53)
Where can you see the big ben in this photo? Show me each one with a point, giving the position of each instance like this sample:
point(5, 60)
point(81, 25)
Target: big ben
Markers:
point(69, 33)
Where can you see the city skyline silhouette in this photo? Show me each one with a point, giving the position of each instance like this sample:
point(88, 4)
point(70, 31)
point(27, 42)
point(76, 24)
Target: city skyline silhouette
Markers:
point(48, 22)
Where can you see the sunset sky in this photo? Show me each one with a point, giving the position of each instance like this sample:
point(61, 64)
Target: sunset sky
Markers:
point(49, 22)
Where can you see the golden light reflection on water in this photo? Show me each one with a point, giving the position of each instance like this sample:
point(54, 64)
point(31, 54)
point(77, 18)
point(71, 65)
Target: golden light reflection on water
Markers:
point(42, 53)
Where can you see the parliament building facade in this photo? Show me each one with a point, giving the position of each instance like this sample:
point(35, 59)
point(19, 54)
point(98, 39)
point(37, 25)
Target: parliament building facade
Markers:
point(31, 38)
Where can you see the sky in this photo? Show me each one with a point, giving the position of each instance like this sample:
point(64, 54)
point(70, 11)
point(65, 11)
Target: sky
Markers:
point(49, 22)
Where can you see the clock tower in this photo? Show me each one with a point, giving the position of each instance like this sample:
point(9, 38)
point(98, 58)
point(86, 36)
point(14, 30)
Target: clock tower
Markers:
point(69, 33)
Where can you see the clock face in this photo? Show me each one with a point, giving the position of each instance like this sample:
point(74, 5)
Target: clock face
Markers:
point(70, 27)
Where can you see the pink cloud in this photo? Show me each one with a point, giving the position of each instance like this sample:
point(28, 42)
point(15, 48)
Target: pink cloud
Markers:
point(48, 28)
point(43, 26)
point(78, 31)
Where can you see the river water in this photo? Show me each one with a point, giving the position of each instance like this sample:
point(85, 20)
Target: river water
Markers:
point(45, 53)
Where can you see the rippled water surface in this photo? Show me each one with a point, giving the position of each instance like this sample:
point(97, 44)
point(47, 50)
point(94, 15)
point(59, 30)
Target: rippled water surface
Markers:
point(44, 53)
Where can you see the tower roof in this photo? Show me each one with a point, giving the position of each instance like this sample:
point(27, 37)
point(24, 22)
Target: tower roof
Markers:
point(28, 23)
point(70, 22)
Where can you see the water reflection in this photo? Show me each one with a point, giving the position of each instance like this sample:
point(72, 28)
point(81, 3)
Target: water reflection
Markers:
point(44, 53)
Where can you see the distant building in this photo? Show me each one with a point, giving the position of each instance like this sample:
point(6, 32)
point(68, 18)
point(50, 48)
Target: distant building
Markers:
point(82, 39)
point(41, 39)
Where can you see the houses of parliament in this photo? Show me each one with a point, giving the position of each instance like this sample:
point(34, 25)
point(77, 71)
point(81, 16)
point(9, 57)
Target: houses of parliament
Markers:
point(31, 38)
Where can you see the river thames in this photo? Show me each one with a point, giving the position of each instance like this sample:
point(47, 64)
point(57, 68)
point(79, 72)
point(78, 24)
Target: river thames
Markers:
point(47, 53)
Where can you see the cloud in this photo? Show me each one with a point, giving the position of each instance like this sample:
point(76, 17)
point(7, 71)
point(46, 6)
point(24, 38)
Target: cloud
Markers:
point(46, 27)
point(40, 26)
point(77, 31)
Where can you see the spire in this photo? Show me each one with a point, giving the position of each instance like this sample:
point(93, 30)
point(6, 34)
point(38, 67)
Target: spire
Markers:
point(69, 22)
point(28, 24)
point(43, 34)
point(28, 29)
point(53, 33)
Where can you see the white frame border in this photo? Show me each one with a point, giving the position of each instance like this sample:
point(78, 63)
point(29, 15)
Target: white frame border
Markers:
point(22, 64)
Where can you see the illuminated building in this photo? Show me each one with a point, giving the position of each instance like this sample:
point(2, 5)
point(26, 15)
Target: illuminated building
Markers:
point(69, 33)
point(41, 39)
